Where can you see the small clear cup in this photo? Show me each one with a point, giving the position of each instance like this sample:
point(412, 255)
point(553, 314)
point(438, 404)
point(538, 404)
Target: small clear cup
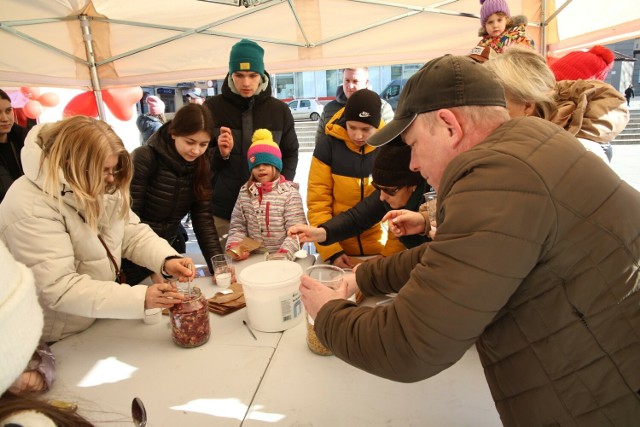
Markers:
point(327, 274)
point(431, 200)
point(224, 272)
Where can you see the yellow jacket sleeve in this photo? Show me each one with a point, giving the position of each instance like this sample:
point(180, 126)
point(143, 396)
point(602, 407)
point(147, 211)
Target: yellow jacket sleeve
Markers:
point(320, 202)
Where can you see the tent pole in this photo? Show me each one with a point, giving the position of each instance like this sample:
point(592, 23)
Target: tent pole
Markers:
point(544, 25)
point(93, 71)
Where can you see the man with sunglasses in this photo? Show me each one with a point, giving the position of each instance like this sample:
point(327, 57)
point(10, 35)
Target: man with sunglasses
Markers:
point(397, 187)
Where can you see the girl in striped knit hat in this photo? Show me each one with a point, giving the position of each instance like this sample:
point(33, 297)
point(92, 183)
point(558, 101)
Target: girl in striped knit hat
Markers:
point(267, 204)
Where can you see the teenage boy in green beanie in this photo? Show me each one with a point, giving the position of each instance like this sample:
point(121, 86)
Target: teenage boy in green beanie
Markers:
point(244, 105)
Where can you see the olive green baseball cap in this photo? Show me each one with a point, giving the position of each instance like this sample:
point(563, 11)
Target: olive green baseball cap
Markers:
point(445, 82)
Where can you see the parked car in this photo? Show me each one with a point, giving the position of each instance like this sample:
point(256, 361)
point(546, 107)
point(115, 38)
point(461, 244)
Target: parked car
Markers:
point(302, 109)
point(392, 92)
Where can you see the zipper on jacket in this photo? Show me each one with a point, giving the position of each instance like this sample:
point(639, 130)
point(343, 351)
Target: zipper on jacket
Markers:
point(267, 207)
point(361, 194)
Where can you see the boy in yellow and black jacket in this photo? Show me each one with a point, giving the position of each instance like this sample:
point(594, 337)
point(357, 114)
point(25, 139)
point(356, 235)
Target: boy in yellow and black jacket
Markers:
point(340, 175)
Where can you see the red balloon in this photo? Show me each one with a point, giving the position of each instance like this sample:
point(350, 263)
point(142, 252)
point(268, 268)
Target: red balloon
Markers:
point(30, 92)
point(130, 95)
point(121, 100)
point(49, 99)
point(83, 104)
point(32, 109)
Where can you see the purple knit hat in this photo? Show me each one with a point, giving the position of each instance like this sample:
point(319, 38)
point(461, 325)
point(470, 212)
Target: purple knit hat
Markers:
point(489, 7)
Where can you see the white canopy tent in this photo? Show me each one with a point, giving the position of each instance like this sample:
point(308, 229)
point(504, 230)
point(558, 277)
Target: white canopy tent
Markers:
point(144, 42)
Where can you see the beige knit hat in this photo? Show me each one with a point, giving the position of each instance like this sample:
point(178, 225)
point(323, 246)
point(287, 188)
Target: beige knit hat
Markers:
point(20, 318)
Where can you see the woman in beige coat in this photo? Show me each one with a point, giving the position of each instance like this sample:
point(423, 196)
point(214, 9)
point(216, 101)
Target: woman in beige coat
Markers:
point(591, 110)
point(68, 219)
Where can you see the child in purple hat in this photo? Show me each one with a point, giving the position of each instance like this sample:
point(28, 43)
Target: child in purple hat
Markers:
point(499, 30)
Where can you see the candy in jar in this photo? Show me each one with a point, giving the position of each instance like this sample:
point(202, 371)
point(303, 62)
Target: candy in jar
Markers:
point(190, 320)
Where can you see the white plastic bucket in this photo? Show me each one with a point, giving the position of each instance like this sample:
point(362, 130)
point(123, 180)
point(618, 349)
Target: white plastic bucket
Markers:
point(272, 295)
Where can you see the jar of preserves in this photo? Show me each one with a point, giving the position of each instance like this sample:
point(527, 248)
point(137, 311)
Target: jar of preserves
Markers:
point(190, 320)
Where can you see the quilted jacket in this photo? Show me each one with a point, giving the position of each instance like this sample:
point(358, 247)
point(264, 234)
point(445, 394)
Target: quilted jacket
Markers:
point(162, 193)
point(266, 216)
point(536, 261)
point(74, 277)
point(339, 178)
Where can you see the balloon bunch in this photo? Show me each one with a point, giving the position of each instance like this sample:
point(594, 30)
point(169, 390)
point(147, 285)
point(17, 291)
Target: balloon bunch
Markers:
point(119, 101)
point(33, 107)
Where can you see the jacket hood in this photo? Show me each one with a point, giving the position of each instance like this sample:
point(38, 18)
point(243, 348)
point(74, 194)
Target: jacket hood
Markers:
point(337, 128)
point(590, 109)
point(31, 155)
point(230, 92)
point(341, 97)
point(164, 146)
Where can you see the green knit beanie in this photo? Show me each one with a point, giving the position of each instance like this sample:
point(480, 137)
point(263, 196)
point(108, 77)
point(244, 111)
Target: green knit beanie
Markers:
point(246, 55)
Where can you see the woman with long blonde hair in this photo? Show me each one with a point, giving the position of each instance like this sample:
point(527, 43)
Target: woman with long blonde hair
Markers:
point(68, 218)
point(591, 110)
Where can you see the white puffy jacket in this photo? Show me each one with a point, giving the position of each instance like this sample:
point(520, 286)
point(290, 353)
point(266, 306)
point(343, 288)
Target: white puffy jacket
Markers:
point(74, 277)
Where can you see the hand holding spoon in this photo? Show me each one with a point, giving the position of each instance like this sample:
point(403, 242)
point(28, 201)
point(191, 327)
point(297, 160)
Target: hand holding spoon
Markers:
point(300, 253)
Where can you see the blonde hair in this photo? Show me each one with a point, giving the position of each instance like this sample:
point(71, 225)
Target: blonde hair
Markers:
point(526, 77)
point(78, 147)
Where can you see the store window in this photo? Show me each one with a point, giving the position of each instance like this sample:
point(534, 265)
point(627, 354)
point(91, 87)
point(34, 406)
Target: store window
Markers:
point(284, 86)
point(334, 79)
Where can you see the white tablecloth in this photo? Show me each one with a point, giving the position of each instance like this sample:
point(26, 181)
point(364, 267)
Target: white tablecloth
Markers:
point(234, 380)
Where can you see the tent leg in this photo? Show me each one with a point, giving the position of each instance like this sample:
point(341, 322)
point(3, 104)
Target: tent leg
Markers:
point(543, 30)
point(93, 71)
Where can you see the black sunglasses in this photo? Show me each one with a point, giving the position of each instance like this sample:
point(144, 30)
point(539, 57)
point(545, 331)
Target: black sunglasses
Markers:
point(391, 191)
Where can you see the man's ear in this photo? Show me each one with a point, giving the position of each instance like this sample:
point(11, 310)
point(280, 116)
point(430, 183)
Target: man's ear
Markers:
point(449, 120)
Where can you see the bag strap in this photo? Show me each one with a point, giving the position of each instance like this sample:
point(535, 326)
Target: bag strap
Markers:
point(120, 276)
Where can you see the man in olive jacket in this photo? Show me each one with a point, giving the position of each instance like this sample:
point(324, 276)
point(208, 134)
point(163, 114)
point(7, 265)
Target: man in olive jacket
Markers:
point(535, 261)
point(245, 105)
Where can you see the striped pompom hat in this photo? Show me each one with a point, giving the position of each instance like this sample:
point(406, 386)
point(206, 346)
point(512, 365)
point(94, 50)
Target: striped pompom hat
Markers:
point(264, 150)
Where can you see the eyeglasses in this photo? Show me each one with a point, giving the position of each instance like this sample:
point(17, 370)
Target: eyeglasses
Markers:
point(113, 173)
point(391, 191)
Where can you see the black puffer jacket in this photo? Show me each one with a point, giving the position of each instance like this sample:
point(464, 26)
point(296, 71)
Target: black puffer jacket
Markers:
point(367, 213)
point(11, 169)
point(243, 116)
point(162, 193)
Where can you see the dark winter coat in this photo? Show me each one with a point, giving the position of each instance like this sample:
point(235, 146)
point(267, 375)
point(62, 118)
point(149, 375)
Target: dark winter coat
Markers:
point(162, 193)
point(244, 116)
point(536, 262)
point(147, 125)
point(16, 138)
point(366, 214)
point(339, 179)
